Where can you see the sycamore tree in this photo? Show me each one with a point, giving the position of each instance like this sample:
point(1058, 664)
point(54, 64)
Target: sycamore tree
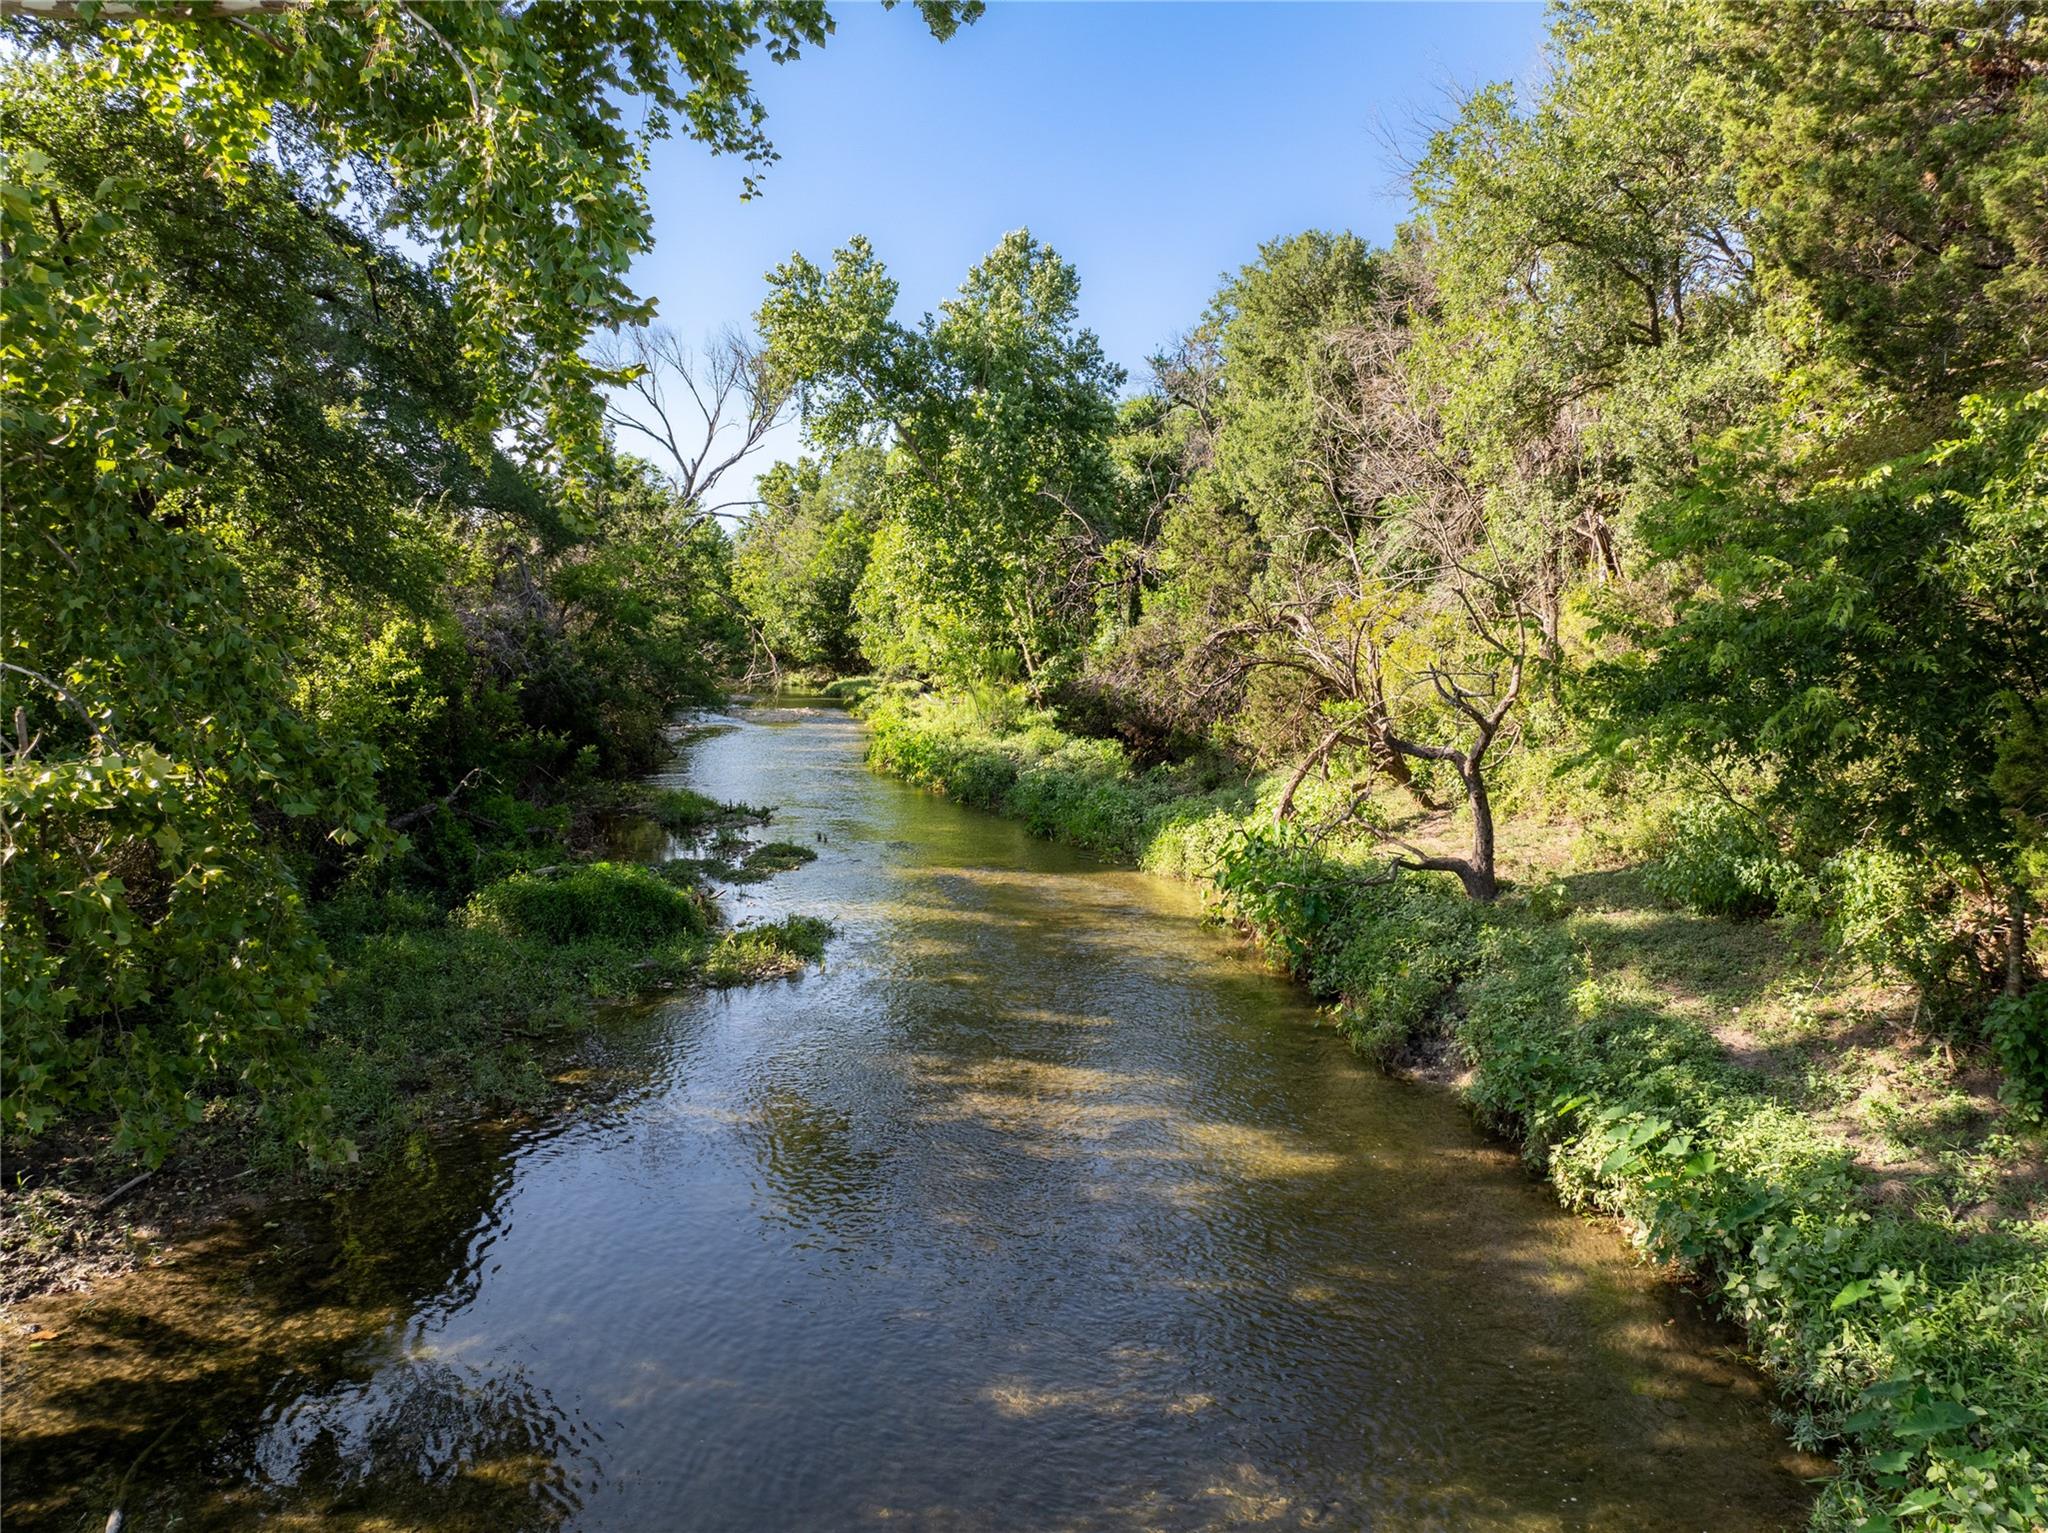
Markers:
point(998, 412)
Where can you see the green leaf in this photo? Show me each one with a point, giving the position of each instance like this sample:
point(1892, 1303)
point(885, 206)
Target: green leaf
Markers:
point(1935, 1418)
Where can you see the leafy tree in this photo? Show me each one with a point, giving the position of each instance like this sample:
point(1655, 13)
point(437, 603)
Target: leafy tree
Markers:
point(999, 409)
point(229, 487)
point(504, 152)
point(799, 559)
point(1586, 265)
point(1875, 646)
point(1894, 156)
point(320, 353)
point(1236, 456)
point(156, 937)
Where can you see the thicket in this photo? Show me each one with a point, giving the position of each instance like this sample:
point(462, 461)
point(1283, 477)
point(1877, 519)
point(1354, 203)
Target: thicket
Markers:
point(332, 608)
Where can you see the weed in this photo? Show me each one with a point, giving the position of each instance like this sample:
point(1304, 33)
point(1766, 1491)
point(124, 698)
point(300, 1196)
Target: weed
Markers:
point(779, 950)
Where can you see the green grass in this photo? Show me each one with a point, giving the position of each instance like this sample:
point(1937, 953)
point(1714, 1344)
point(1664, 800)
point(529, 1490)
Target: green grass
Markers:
point(848, 689)
point(1707, 1081)
point(770, 858)
point(778, 950)
point(432, 1016)
point(753, 866)
point(588, 903)
point(685, 811)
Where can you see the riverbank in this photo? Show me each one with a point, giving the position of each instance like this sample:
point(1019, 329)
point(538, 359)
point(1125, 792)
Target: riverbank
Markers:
point(1855, 1194)
point(1037, 1195)
point(433, 1015)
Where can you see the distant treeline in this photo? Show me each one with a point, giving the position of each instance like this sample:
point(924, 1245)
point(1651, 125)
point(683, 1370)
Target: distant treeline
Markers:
point(1689, 433)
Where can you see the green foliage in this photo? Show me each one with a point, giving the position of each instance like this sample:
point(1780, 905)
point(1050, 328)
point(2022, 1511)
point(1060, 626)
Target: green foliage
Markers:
point(1394, 961)
point(772, 857)
point(1076, 790)
point(1000, 407)
point(1858, 646)
point(1894, 163)
point(1280, 885)
point(274, 592)
point(800, 558)
point(1569, 237)
point(239, 637)
point(777, 950)
point(504, 152)
point(1387, 949)
point(597, 902)
point(2018, 1029)
point(1920, 1354)
point(156, 934)
point(1717, 859)
point(686, 811)
point(426, 1018)
point(1895, 913)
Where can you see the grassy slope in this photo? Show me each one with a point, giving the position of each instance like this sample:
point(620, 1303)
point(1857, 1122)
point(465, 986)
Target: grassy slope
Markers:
point(1850, 1192)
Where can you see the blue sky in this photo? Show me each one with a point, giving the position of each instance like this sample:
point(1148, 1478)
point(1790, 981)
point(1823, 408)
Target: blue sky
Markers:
point(1152, 144)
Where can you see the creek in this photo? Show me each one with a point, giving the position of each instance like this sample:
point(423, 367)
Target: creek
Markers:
point(1042, 1205)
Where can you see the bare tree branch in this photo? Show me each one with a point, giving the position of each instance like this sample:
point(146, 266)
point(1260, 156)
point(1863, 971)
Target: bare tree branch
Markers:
point(733, 401)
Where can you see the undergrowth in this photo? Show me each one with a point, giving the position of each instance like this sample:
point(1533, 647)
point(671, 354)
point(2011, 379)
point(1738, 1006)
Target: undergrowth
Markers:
point(434, 1012)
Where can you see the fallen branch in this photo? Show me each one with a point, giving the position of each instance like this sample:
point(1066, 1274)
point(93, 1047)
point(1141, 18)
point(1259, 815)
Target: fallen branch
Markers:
point(122, 1193)
point(413, 816)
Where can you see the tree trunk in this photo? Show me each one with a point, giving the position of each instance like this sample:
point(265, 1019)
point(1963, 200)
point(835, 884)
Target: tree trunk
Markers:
point(1478, 875)
point(1395, 765)
point(2016, 943)
point(1379, 730)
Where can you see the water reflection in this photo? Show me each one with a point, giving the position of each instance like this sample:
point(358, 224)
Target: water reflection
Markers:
point(287, 1368)
point(1040, 1207)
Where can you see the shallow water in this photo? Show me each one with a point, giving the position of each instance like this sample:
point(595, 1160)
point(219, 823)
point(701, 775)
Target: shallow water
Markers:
point(1042, 1206)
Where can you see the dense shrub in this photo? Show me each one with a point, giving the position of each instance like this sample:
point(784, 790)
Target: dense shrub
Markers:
point(1719, 860)
point(1903, 917)
point(1083, 792)
point(2018, 1026)
point(1400, 953)
point(598, 902)
point(1190, 838)
point(1926, 1357)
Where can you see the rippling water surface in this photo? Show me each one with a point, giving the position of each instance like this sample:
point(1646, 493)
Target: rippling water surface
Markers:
point(1041, 1207)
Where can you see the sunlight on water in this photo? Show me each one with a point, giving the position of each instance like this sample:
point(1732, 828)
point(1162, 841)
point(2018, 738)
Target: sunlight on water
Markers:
point(1041, 1206)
